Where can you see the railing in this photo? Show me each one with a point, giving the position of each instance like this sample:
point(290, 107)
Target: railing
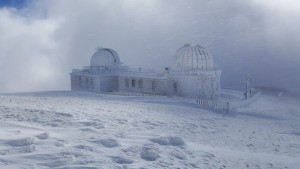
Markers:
point(133, 94)
point(214, 104)
point(195, 72)
point(209, 104)
point(76, 70)
point(140, 70)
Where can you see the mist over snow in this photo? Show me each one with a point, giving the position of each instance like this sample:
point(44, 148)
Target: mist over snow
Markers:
point(43, 41)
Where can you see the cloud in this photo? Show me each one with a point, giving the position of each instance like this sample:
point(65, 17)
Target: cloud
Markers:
point(41, 44)
point(28, 52)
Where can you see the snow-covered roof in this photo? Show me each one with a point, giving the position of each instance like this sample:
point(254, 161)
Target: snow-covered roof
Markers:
point(192, 56)
point(105, 57)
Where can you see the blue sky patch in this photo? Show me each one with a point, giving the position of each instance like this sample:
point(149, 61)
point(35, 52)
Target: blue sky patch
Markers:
point(18, 4)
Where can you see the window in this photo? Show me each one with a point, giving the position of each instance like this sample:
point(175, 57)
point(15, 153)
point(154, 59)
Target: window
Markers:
point(87, 82)
point(140, 83)
point(133, 83)
point(127, 83)
point(80, 81)
point(167, 70)
point(175, 87)
point(92, 83)
point(153, 86)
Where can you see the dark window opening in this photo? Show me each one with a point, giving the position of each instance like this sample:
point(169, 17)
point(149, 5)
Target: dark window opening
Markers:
point(133, 82)
point(80, 81)
point(175, 87)
point(86, 82)
point(127, 83)
point(92, 83)
point(153, 86)
point(140, 83)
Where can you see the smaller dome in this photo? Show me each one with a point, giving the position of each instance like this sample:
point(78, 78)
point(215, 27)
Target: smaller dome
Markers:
point(105, 57)
point(192, 56)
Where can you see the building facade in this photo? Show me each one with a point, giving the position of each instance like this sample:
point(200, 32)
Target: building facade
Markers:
point(193, 75)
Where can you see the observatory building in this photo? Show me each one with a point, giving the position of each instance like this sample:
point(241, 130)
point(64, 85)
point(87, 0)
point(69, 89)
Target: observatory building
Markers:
point(193, 75)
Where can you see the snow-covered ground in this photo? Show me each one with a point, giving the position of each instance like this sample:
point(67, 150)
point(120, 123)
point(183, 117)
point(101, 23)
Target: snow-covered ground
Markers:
point(86, 130)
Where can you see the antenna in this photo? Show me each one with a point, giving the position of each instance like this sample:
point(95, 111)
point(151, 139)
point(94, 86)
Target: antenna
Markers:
point(249, 86)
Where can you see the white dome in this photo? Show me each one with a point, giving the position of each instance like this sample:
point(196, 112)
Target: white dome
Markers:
point(192, 56)
point(105, 57)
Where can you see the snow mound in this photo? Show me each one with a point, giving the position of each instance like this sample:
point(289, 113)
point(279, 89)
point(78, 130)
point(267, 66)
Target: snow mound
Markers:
point(94, 124)
point(77, 167)
point(169, 140)
point(21, 142)
point(57, 163)
point(149, 153)
point(84, 147)
point(178, 155)
point(121, 160)
point(43, 136)
point(64, 114)
point(110, 143)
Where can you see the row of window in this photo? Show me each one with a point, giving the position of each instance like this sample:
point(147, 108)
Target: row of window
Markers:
point(89, 82)
point(138, 83)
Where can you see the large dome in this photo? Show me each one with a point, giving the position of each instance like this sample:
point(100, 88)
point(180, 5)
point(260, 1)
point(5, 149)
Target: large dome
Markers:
point(192, 56)
point(105, 57)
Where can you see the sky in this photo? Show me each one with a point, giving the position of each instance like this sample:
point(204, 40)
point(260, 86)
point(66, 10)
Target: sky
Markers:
point(18, 4)
point(42, 41)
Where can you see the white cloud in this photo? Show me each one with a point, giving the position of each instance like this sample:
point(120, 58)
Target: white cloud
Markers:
point(284, 6)
point(28, 53)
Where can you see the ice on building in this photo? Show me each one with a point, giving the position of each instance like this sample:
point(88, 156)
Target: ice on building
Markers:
point(193, 75)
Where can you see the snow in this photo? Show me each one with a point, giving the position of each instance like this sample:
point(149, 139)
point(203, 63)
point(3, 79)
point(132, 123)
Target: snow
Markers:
point(87, 130)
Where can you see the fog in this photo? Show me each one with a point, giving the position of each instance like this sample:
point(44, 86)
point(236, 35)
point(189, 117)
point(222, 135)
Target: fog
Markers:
point(41, 42)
